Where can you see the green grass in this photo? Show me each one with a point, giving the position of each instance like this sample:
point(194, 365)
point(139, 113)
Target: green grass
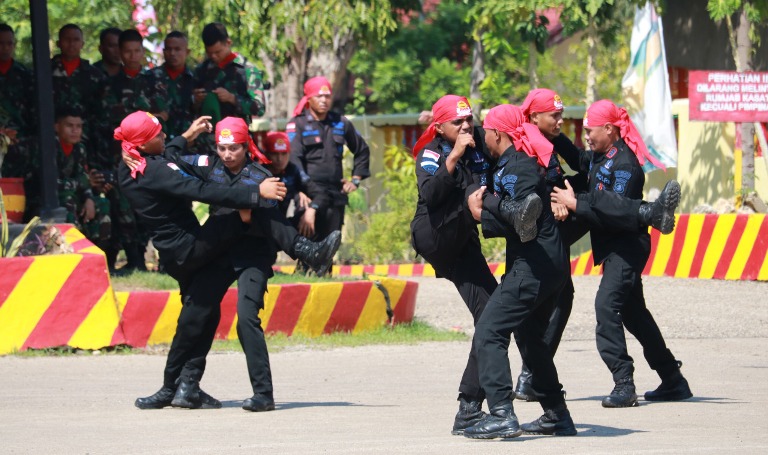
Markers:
point(413, 333)
point(153, 281)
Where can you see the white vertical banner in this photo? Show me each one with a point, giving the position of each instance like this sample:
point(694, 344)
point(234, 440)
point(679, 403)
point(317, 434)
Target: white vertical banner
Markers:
point(646, 87)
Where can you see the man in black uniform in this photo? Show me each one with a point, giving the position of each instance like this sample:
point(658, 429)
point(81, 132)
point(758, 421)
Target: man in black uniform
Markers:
point(452, 166)
point(614, 165)
point(522, 302)
point(317, 139)
point(196, 256)
point(543, 108)
point(253, 256)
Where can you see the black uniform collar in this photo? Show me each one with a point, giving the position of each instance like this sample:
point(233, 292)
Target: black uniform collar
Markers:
point(507, 155)
point(330, 118)
point(618, 146)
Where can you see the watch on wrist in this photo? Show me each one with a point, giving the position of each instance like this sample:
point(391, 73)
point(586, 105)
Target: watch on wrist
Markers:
point(356, 181)
point(314, 205)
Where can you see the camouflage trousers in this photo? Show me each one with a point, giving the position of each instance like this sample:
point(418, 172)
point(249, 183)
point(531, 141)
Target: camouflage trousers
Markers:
point(99, 229)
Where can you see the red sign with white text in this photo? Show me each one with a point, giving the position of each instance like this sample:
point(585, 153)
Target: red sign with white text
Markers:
point(728, 96)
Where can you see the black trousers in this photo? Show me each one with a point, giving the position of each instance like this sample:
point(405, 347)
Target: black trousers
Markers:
point(620, 303)
point(522, 303)
point(327, 220)
point(272, 223)
point(470, 274)
point(203, 277)
point(609, 211)
point(571, 230)
point(251, 286)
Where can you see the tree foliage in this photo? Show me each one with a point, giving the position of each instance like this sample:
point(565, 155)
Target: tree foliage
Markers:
point(387, 238)
point(418, 63)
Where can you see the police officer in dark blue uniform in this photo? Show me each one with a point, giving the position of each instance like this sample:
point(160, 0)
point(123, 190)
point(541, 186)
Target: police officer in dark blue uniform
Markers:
point(614, 165)
point(317, 139)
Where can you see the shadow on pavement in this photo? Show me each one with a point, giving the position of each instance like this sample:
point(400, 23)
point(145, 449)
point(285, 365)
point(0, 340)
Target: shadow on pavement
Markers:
point(319, 404)
point(641, 402)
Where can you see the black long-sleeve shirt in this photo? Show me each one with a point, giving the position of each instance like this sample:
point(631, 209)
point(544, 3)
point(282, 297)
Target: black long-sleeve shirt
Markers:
point(619, 172)
point(317, 149)
point(517, 175)
point(160, 198)
point(443, 196)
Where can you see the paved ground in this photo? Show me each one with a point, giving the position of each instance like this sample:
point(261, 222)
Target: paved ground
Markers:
point(399, 399)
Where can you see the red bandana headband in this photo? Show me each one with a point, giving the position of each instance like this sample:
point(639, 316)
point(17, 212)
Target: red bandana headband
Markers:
point(541, 100)
point(233, 130)
point(603, 112)
point(277, 142)
point(136, 130)
point(316, 86)
point(526, 137)
point(447, 108)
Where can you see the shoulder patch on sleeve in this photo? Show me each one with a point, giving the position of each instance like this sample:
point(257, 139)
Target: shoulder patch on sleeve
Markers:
point(202, 160)
point(173, 166)
point(429, 166)
point(612, 152)
point(290, 126)
point(430, 155)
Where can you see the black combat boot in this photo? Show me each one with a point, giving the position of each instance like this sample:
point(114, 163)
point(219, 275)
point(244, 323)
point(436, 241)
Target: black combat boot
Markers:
point(623, 394)
point(259, 402)
point(522, 215)
point(524, 390)
point(470, 412)
point(318, 255)
point(554, 422)
point(674, 387)
point(159, 400)
point(500, 422)
point(190, 396)
point(660, 214)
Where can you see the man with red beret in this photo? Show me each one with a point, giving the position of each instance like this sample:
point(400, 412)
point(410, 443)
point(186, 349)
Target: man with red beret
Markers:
point(614, 165)
point(318, 137)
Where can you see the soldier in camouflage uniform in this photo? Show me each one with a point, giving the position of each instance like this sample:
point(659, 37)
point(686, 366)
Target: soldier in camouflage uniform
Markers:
point(78, 85)
point(89, 212)
point(109, 48)
point(130, 90)
point(226, 83)
point(17, 120)
point(177, 79)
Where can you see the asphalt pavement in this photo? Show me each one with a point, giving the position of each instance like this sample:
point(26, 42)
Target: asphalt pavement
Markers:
point(401, 399)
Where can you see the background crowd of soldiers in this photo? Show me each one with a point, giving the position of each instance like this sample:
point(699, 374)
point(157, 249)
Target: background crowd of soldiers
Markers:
point(90, 100)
